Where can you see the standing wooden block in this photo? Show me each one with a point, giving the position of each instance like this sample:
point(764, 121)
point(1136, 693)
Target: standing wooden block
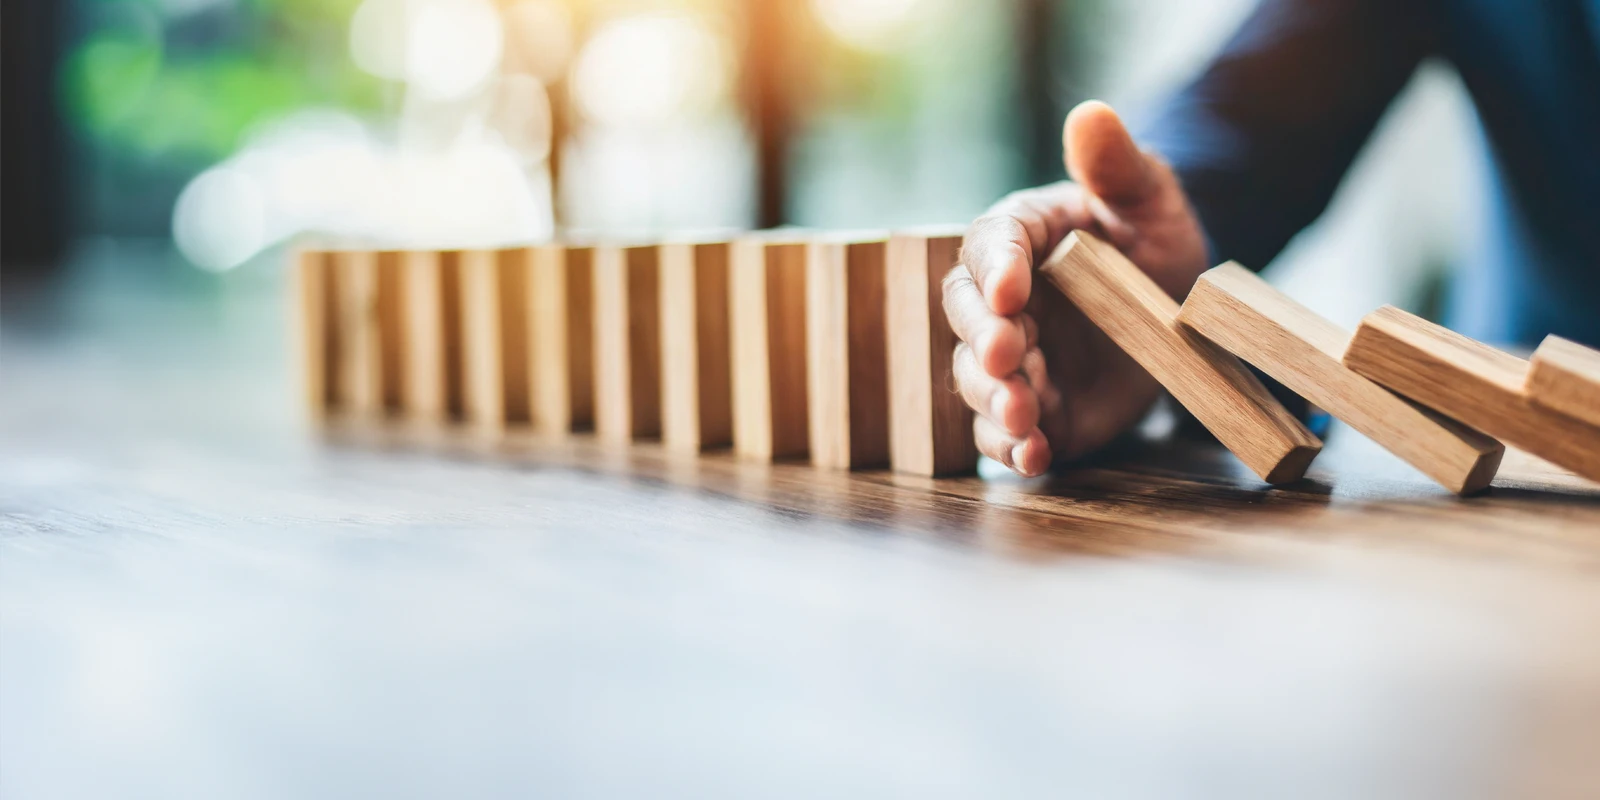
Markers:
point(627, 348)
point(696, 393)
point(358, 388)
point(847, 363)
point(315, 312)
point(1236, 309)
point(430, 345)
point(767, 309)
point(391, 330)
point(561, 354)
point(930, 427)
point(1565, 377)
point(1470, 382)
point(494, 336)
point(1142, 319)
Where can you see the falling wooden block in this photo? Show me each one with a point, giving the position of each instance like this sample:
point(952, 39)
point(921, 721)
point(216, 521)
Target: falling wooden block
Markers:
point(1236, 309)
point(315, 312)
point(1564, 376)
point(847, 365)
point(696, 391)
point(627, 349)
point(1470, 382)
point(431, 345)
point(1218, 390)
point(930, 427)
point(561, 353)
point(767, 313)
point(494, 336)
point(358, 388)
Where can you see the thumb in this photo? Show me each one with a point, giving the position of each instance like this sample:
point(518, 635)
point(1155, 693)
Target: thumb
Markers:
point(1102, 157)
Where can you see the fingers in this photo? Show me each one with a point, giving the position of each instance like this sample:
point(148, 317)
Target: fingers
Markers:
point(1000, 248)
point(1102, 156)
point(1026, 455)
point(1009, 402)
point(998, 343)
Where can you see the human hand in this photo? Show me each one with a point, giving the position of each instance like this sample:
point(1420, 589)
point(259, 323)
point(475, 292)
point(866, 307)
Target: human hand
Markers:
point(1046, 384)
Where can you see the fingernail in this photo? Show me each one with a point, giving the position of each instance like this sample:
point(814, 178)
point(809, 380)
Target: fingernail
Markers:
point(1019, 455)
point(997, 406)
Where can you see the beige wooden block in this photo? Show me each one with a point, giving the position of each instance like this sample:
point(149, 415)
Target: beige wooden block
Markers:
point(1236, 309)
point(561, 355)
point(428, 344)
point(494, 337)
point(1470, 382)
point(767, 313)
point(627, 348)
point(1218, 390)
point(358, 388)
point(391, 330)
point(696, 393)
point(847, 365)
point(930, 427)
point(316, 333)
point(1564, 376)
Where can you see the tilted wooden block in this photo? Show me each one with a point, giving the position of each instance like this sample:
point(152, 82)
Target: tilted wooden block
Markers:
point(1221, 393)
point(627, 348)
point(696, 390)
point(315, 329)
point(358, 388)
point(1565, 376)
point(561, 354)
point(1470, 382)
point(767, 314)
point(930, 427)
point(494, 337)
point(430, 345)
point(1236, 309)
point(847, 362)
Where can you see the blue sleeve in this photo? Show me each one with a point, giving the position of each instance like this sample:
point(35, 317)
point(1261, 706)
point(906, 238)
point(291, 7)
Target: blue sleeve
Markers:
point(1265, 134)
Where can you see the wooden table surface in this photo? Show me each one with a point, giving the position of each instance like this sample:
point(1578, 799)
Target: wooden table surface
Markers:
point(200, 595)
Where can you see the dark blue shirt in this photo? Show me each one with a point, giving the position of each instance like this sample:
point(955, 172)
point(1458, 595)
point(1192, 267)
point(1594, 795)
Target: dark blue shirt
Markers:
point(1262, 138)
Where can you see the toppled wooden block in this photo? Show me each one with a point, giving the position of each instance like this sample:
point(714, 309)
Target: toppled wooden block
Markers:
point(1236, 309)
point(930, 426)
point(561, 354)
point(627, 347)
point(315, 312)
point(847, 353)
point(1221, 393)
point(1470, 382)
point(1564, 376)
point(767, 311)
point(494, 317)
point(696, 381)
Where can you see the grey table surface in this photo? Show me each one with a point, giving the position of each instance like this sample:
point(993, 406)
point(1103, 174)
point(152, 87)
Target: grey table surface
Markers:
point(200, 597)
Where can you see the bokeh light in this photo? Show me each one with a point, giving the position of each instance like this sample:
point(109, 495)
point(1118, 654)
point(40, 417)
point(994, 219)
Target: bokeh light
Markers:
point(871, 24)
point(648, 69)
point(542, 32)
point(445, 49)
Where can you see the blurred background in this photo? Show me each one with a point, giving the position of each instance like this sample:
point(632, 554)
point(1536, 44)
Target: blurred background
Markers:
point(153, 133)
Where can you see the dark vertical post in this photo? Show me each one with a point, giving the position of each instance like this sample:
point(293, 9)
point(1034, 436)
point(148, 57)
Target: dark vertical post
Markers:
point(32, 136)
point(768, 97)
point(1039, 95)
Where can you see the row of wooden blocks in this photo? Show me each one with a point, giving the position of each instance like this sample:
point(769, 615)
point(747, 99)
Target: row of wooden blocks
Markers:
point(835, 347)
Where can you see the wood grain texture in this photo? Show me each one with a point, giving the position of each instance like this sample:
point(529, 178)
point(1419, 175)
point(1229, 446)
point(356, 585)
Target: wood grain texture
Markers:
point(847, 353)
point(494, 337)
point(561, 329)
point(696, 390)
point(767, 314)
point(359, 385)
point(930, 427)
point(1470, 382)
point(1236, 309)
point(627, 351)
point(314, 331)
point(1125, 303)
point(1564, 376)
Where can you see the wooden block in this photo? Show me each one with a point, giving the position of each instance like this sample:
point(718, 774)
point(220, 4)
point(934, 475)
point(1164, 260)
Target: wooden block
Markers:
point(696, 393)
point(426, 344)
point(1564, 376)
point(1221, 393)
point(561, 354)
point(494, 337)
point(1236, 309)
point(391, 330)
point(1470, 382)
point(930, 427)
point(627, 349)
point(315, 312)
point(767, 313)
point(358, 386)
point(847, 364)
